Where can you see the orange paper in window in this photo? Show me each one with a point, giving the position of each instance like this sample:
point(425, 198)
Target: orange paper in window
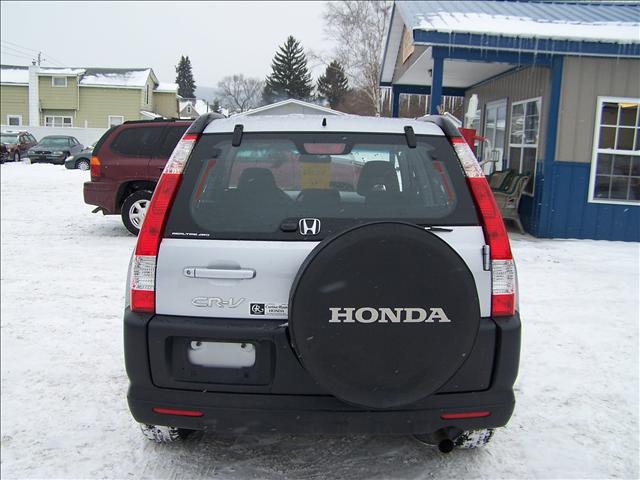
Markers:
point(315, 175)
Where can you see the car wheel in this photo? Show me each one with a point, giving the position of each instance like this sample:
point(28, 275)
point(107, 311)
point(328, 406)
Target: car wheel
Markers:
point(134, 209)
point(162, 434)
point(82, 164)
point(16, 157)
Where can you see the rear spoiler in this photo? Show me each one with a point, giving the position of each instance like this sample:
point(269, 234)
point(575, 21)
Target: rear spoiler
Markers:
point(446, 125)
point(200, 123)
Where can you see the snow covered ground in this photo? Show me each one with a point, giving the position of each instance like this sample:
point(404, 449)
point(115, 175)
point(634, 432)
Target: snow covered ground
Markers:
point(64, 413)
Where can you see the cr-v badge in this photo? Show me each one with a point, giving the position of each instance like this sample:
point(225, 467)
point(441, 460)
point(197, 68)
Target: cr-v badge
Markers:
point(216, 302)
point(309, 226)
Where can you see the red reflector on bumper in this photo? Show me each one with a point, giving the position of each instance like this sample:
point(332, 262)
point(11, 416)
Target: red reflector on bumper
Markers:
point(451, 416)
point(182, 413)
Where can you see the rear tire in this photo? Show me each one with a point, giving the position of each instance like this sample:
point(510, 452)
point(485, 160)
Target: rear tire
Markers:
point(82, 164)
point(162, 434)
point(134, 209)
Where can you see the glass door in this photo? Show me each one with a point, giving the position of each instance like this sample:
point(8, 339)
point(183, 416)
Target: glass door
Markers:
point(495, 121)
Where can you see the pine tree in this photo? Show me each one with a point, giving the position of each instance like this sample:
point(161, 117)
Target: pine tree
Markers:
point(184, 78)
point(216, 106)
point(333, 85)
point(290, 77)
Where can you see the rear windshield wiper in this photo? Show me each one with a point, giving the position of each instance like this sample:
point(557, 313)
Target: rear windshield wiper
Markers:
point(437, 229)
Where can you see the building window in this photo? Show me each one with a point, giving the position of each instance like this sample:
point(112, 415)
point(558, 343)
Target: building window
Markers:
point(115, 120)
point(188, 108)
point(58, 121)
point(58, 81)
point(146, 94)
point(615, 164)
point(523, 139)
point(14, 120)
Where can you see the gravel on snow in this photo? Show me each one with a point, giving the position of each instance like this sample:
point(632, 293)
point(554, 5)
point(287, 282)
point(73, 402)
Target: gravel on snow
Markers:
point(64, 411)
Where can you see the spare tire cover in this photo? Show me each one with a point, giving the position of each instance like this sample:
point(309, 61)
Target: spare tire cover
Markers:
point(383, 314)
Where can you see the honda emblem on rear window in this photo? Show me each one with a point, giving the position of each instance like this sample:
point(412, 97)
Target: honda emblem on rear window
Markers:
point(309, 226)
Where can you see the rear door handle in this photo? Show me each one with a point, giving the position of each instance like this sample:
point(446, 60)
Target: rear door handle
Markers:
point(220, 273)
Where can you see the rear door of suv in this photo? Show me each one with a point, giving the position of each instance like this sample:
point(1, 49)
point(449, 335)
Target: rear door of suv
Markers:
point(246, 217)
point(130, 152)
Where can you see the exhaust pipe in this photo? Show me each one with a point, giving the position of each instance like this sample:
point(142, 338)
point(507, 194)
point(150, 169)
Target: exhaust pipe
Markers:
point(443, 438)
point(445, 445)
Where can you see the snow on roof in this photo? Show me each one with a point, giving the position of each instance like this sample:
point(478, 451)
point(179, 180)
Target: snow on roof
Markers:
point(14, 74)
point(200, 106)
point(149, 115)
point(109, 77)
point(614, 23)
point(167, 87)
point(264, 110)
point(61, 71)
point(120, 77)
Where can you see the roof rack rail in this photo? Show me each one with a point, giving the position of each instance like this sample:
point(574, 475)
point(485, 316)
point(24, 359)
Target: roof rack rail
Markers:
point(200, 123)
point(448, 127)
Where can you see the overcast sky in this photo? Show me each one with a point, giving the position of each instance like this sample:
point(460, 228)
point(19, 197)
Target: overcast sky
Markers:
point(221, 38)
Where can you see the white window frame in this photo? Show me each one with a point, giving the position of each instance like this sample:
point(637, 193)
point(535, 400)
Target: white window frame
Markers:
point(613, 151)
point(53, 82)
point(509, 145)
point(19, 117)
point(109, 124)
point(53, 117)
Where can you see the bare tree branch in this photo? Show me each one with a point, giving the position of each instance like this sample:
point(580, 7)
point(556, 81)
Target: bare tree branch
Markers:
point(358, 29)
point(239, 93)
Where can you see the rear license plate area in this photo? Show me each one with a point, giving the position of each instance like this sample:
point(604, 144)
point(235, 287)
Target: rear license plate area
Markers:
point(211, 361)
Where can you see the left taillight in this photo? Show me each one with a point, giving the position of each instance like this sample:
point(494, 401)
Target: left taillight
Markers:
point(503, 269)
point(94, 165)
point(143, 270)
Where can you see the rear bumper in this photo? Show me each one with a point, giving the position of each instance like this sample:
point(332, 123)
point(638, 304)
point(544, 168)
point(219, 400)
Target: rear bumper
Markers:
point(285, 398)
point(47, 159)
point(100, 194)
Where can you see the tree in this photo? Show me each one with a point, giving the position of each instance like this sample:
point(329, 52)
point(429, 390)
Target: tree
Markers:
point(290, 77)
point(333, 85)
point(239, 93)
point(215, 107)
point(184, 78)
point(358, 28)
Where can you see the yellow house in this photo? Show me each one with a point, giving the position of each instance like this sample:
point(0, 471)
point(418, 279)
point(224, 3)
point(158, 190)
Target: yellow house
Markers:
point(82, 97)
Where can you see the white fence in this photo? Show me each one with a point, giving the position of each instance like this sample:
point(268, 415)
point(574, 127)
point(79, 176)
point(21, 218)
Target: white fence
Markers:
point(85, 136)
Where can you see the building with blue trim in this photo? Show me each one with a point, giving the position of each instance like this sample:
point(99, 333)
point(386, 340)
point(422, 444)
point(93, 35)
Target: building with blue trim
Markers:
point(557, 86)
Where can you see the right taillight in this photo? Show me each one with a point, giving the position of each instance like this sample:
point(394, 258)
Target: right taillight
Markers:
point(503, 270)
point(143, 271)
point(94, 165)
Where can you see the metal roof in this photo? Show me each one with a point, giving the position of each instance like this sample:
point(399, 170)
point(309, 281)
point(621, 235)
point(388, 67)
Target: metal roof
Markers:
point(598, 22)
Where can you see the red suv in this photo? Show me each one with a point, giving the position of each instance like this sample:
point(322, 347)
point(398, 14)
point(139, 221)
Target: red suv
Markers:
point(126, 165)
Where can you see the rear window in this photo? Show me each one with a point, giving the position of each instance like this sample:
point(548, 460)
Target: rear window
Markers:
point(137, 141)
point(262, 188)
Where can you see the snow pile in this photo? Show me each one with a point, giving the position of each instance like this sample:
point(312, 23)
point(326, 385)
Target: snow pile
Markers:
point(131, 78)
point(63, 383)
point(14, 75)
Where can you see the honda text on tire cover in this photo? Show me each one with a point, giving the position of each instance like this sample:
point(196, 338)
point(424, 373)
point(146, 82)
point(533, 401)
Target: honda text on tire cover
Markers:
point(334, 274)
